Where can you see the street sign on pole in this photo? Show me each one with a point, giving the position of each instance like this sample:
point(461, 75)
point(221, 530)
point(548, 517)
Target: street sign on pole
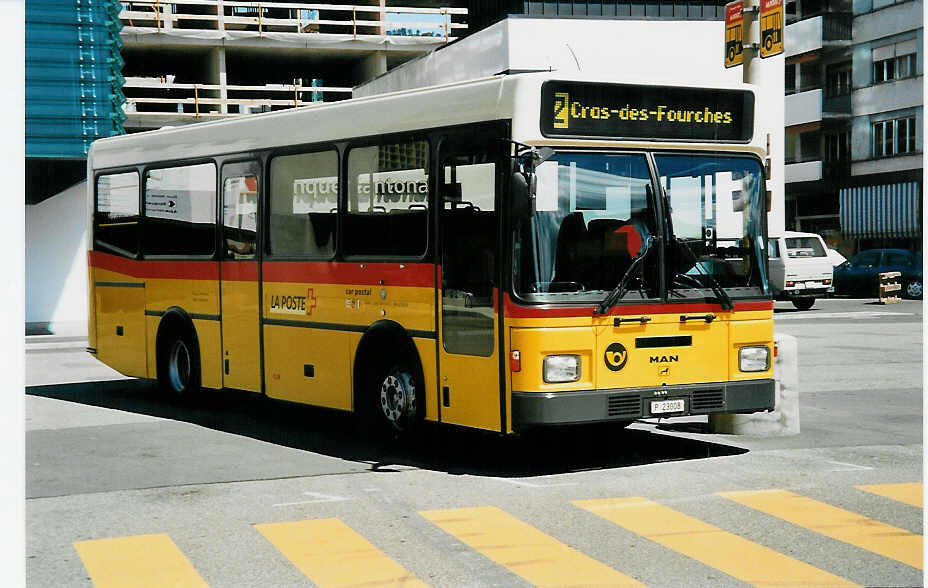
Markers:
point(734, 33)
point(771, 28)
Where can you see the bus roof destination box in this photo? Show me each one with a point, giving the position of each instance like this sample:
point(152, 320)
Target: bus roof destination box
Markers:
point(671, 53)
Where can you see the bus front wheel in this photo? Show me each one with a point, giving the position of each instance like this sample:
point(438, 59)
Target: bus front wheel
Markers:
point(394, 403)
point(178, 365)
point(397, 398)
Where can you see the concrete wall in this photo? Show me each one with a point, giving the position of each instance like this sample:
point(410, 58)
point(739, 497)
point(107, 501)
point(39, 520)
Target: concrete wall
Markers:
point(56, 263)
point(803, 36)
point(804, 107)
point(807, 171)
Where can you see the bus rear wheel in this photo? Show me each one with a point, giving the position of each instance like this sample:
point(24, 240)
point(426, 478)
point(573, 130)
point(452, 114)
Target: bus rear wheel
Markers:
point(178, 365)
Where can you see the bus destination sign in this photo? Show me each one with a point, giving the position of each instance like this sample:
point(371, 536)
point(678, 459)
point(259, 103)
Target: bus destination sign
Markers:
point(624, 111)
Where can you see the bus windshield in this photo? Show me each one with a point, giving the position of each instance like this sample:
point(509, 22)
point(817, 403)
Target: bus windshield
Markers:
point(595, 214)
point(717, 208)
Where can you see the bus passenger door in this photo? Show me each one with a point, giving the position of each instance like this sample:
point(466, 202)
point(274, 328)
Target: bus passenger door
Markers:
point(469, 383)
point(241, 346)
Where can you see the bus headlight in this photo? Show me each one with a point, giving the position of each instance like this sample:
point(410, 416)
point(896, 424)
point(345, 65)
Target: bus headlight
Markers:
point(559, 369)
point(754, 359)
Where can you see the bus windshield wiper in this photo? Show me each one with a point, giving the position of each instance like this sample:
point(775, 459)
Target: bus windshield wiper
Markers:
point(622, 287)
point(720, 293)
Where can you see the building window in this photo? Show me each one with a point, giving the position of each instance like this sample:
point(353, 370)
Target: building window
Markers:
point(894, 137)
point(838, 147)
point(838, 80)
point(894, 62)
point(790, 81)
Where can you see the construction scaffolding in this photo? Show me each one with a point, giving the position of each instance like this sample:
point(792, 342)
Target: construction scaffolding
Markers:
point(194, 60)
point(233, 19)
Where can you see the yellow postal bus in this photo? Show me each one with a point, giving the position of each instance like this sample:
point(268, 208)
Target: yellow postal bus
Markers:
point(511, 252)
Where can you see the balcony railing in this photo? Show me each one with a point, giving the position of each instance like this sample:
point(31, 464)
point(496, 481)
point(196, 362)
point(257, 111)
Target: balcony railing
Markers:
point(833, 29)
point(837, 104)
point(158, 98)
point(837, 26)
point(225, 18)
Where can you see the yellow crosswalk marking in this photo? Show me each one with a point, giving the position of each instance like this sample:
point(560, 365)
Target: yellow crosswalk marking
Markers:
point(909, 493)
point(523, 549)
point(724, 551)
point(837, 523)
point(140, 561)
point(330, 553)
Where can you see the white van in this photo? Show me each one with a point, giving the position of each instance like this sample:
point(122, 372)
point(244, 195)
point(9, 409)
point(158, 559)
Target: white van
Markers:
point(800, 270)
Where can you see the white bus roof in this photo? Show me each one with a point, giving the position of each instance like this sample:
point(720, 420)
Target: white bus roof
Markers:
point(487, 99)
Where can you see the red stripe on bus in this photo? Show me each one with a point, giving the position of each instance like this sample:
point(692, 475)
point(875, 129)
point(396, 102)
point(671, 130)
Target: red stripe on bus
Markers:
point(113, 263)
point(160, 269)
point(362, 274)
point(240, 271)
point(516, 311)
point(180, 270)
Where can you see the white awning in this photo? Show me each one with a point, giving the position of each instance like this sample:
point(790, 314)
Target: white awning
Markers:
point(891, 210)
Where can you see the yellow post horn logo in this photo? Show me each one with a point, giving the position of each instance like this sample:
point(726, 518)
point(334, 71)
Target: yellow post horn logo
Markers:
point(616, 356)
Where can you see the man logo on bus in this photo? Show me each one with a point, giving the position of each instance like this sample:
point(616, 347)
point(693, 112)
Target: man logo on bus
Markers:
point(616, 356)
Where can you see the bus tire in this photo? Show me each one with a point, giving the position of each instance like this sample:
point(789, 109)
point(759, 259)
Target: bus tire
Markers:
point(804, 303)
point(178, 361)
point(396, 396)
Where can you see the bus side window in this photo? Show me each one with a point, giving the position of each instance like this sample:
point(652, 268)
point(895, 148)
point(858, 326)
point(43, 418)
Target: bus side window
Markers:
point(180, 210)
point(116, 214)
point(388, 200)
point(303, 204)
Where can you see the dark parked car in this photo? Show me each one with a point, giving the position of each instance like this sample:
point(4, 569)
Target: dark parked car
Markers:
point(860, 274)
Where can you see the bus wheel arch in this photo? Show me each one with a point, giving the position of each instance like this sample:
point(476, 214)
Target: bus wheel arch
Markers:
point(177, 355)
point(388, 380)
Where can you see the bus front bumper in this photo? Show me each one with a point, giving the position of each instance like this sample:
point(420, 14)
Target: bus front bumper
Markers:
point(530, 409)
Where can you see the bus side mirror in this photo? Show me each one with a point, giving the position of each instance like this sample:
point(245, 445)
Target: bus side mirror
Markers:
point(769, 200)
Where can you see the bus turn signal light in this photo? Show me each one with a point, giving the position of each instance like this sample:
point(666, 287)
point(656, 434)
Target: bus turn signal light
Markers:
point(515, 361)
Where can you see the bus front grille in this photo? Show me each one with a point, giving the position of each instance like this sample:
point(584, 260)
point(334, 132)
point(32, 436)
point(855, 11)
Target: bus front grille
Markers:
point(624, 406)
point(704, 400)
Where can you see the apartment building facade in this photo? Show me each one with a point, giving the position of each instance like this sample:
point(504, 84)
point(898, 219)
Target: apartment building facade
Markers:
point(854, 112)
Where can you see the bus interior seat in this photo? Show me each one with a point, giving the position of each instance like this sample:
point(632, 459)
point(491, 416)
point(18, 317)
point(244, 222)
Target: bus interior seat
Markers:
point(301, 234)
point(570, 235)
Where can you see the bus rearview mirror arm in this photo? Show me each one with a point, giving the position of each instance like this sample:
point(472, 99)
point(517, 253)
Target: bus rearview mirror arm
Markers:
point(524, 182)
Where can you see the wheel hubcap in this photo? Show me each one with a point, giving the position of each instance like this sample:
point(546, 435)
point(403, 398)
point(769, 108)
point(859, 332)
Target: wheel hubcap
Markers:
point(914, 289)
point(179, 366)
point(398, 398)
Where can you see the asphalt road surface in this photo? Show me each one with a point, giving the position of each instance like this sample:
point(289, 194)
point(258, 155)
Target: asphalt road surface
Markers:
point(125, 489)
